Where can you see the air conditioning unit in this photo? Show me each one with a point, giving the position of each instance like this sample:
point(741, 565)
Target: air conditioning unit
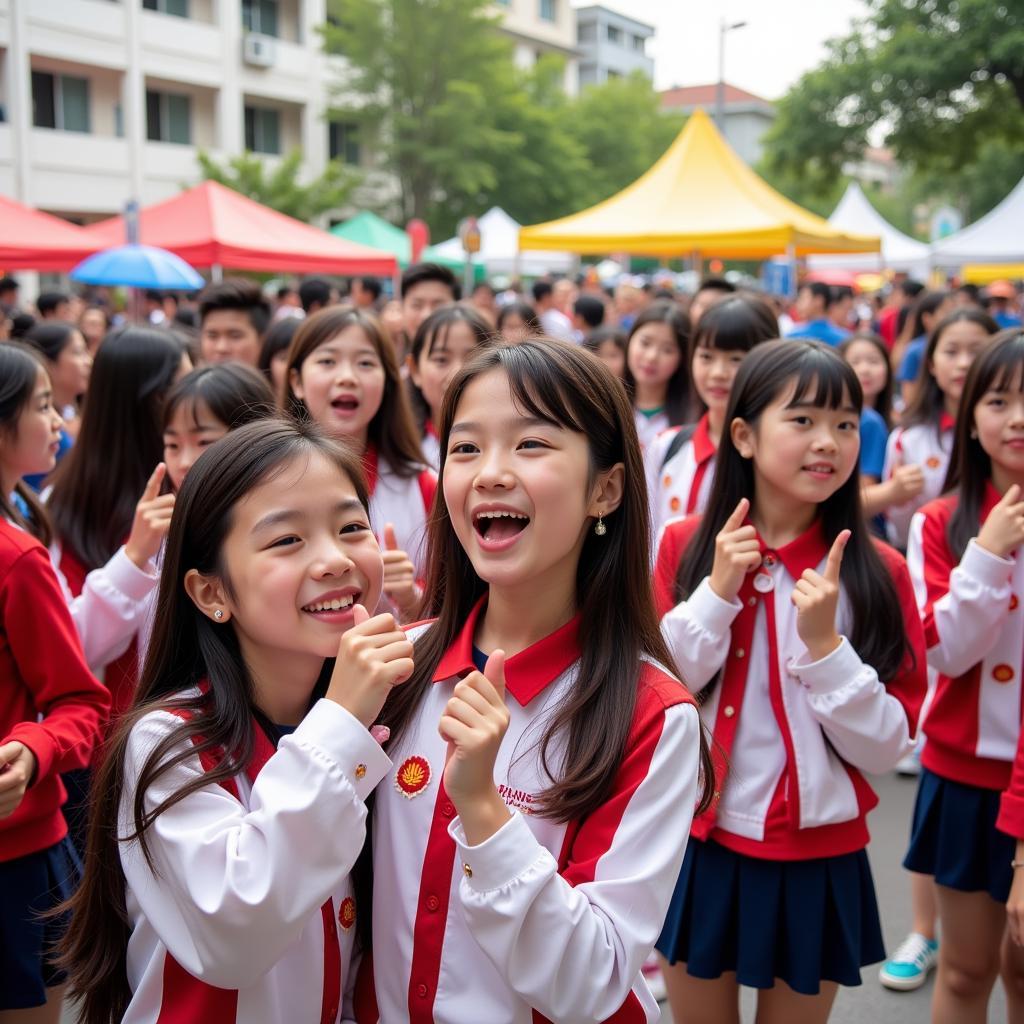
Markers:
point(259, 50)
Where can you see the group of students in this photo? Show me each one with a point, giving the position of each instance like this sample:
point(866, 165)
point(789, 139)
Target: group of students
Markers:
point(450, 694)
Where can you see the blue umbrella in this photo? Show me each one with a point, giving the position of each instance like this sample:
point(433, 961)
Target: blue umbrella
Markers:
point(138, 266)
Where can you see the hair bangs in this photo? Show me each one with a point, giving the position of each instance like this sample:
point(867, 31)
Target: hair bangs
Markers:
point(1005, 369)
point(825, 383)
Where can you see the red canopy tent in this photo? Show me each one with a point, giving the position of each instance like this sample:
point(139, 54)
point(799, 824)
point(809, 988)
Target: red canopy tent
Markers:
point(32, 240)
point(212, 225)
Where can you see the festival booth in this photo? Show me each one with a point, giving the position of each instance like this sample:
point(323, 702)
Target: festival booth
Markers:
point(33, 240)
point(213, 226)
point(855, 214)
point(700, 200)
point(997, 238)
point(500, 250)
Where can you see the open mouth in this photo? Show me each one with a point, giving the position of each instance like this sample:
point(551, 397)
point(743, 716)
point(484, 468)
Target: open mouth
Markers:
point(499, 526)
point(347, 403)
point(820, 469)
point(334, 605)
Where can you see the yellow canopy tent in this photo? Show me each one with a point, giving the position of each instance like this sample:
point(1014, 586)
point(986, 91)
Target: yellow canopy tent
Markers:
point(700, 197)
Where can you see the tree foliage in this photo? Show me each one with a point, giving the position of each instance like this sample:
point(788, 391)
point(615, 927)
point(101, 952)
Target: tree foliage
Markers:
point(280, 187)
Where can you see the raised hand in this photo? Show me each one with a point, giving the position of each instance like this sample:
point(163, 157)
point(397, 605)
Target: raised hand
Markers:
point(1003, 531)
point(17, 765)
point(907, 482)
point(374, 655)
point(816, 597)
point(152, 520)
point(399, 574)
point(737, 552)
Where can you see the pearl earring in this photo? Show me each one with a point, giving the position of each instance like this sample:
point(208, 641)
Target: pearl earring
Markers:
point(599, 528)
point(218, 615)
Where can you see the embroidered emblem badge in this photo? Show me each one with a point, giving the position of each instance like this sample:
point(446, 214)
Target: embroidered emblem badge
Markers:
point(413, 776)
point(347, 913)
point(933, 462)
point(1002, 673)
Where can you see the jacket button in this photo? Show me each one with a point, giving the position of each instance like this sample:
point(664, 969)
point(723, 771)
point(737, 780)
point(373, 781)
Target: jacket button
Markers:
point(728, 711)
point(768, 561)
point(421, 990)
point(448, 809)
point(467, 870)
point(360, 771)
point(740, 652)
point(433, 903)
point(763, 583)
point(751, 601)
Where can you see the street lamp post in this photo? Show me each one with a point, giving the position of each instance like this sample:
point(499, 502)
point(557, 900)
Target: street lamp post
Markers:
point(723, 27)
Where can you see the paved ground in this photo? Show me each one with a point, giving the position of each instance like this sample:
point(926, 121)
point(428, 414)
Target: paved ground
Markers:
point(870, 1003)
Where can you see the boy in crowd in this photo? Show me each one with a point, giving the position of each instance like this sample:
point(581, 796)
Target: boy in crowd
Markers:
point(426, 287)
point(233, 316)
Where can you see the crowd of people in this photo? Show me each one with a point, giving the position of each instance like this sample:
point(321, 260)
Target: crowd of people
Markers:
point(430, 658)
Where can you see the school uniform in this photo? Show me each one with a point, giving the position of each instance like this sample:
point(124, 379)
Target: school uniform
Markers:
point(776, 882)
point(403, 501)
point(922, 445)
point(681, 485)
point(247, 914)
point(649, 425)
point(544, 921)
point(50, 702)
point(431, 445)
point(974, 629)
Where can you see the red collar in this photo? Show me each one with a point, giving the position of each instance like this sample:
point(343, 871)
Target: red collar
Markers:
point(262, 749)
point(804, 552)
point(370, 468)
point(703, 446)
point(946, 422)
point(527, 673)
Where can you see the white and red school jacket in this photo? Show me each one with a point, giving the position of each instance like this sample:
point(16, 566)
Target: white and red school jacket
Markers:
point(649, 427)
point(925, 446)
point(545, 921)
point(974, 629)
point(680, 486)
point(792, 736)
point(404, 501)
point(430, 443)
point(247, 914)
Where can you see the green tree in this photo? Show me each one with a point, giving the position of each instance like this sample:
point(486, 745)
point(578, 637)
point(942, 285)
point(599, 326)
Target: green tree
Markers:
point(940, 80)
point(281, 188)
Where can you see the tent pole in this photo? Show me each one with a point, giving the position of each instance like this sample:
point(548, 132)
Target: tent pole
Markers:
point(216, 273)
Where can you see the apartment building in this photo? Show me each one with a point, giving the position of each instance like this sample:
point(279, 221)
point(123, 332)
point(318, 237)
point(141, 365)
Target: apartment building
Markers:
point(611, 45)
point(539, 27)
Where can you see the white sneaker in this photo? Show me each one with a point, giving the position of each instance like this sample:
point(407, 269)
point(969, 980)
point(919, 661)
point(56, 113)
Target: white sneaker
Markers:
point(652, 975)
point(908, 968)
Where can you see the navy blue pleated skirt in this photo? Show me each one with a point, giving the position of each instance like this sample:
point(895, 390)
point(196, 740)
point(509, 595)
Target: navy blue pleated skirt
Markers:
point(954, 837)
point(30, 886)
point(804, 921)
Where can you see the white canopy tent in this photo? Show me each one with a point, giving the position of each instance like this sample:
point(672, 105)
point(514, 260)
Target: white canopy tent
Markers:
point(500, 253)
point(855, 214)
point(997, 238)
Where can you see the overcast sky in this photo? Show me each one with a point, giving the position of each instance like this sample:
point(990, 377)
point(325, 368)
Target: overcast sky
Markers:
point(782, 38)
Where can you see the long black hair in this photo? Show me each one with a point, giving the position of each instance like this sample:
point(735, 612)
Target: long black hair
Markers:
point(883, 400)
point(1000, 367)
point(677, 395)
point(235, 394)
point(820, 376)
point(218, 720)
point(563, 385)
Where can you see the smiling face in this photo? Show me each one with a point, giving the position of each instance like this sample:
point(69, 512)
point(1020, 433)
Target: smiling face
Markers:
point(300, 553)
point(954, 352)
point(32, 446)
point(341, 383)
point(518, 490)
point(870, 366)
point(191, 430)
point(653, 355)
point(438, 363)
point(999, 422)
point(802, 453)
point(713, 371)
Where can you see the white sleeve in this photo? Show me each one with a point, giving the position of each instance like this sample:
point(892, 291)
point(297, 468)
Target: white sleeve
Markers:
point(898, 516)
point(572, 944)
point(866, 724)
point(697, 633)
point(969, 618)
point(111, 607)
point(231, 889)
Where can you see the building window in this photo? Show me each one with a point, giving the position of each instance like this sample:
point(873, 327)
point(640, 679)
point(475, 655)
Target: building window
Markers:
point(343, 142)
point(638, 43)
point(179, 8)
point(614, 35)
point(60, 101)
point(260, 16)
point(262, 130)
point(168, 117)
point(548, 11)
point(586, 33)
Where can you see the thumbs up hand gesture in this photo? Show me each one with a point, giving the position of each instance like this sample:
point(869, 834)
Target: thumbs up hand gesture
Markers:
point(399, 576)
point(816, 597)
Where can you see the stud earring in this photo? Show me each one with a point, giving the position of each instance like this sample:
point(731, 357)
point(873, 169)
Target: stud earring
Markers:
point(599, 528)
point(218, 614)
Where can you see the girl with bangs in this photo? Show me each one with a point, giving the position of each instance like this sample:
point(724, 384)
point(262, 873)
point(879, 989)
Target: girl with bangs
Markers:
point(965, 556)
point(547, 758)
point(343, 375)
point(801, 635)
point(680, 461)
point(442, 344)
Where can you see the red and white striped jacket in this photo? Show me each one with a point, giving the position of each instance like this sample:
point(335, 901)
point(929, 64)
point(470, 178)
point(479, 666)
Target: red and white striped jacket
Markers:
point(926, 446)
point(680, 486)
point(247, 914)
point(974, 629)
point(792, 736)
point(545, 921)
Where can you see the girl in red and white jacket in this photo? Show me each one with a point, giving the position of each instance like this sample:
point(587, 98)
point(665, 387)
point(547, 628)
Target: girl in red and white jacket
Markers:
point(52, 709)
point(343, 374)
point(802, 635)
point(547, 758)
point(681, 460)
point(917, 455)
point(965, 558)
point(230, 805)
